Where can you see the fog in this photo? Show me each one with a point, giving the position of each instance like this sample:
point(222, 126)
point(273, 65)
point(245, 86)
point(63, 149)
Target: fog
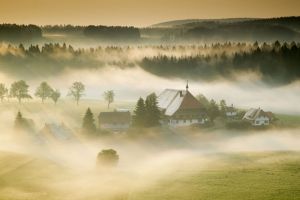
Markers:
point(67, 169)
point(71, 170)
point(129, 84)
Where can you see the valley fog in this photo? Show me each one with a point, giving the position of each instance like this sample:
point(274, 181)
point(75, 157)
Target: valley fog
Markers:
point(67, 168)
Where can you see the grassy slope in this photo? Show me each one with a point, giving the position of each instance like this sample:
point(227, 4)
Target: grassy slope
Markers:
point(26, 177)
point(235, 176)
point(273, 175)
point(288, 120)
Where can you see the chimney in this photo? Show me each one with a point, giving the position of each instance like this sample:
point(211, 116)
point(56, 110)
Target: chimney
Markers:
point(187, 85)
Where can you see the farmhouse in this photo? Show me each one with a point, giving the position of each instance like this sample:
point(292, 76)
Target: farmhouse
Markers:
point(181, 108)
point(115, 121)
point(257, 117)
point(231, 112)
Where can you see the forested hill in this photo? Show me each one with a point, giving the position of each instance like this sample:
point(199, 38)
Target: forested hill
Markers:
point(19, 33)
point(285, 29)
point(221, 30)
point(29, 33)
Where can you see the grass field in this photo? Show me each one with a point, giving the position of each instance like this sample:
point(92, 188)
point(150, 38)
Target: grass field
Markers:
point(272, 175)
point(288, 120)
point(234, 176)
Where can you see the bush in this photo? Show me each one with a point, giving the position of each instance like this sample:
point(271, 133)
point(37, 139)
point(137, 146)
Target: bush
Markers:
point(107, 158)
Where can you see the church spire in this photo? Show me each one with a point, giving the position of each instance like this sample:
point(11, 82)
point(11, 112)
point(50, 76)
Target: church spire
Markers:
point(187, 85)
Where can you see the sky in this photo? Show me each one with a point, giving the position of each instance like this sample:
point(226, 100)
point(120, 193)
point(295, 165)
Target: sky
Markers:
point(139, 13)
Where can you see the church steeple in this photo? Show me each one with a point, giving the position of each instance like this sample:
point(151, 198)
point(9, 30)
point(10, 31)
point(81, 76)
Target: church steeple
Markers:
point(187, 85)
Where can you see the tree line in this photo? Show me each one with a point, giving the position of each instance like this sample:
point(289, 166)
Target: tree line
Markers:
point(277, 63)
point(109, 33)
point(14, 32)
point(20, 91)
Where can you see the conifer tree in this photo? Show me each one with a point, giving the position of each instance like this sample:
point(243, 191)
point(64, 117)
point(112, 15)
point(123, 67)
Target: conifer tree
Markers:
point(223, 108)
point(19, 121)
point(152, 111)
point(22, 123)
point(213, 110)
point(139, 113)
point(88, 124)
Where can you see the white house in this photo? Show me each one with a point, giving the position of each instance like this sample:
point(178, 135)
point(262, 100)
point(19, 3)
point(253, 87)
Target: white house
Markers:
point(257, 117)
point(231, 112)
point(181, 108)
point(115, 121)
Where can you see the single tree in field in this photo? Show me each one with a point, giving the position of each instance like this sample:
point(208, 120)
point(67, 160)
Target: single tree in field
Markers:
point(139, 113)
point(19, 90)
point(153, 114)
point(213, 110)
point(76, 91)
point(43, 91)
point(55, 95)
point(3, 91)
point(223, 108)
point(109, 97)
point(88, 124)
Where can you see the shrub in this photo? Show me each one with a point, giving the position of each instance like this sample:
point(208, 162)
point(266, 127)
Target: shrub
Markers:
point(107, 158)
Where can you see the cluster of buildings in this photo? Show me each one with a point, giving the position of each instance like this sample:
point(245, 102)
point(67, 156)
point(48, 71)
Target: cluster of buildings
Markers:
point(180, 108)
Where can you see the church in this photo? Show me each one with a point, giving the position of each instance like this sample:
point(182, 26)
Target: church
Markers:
point(181, 108)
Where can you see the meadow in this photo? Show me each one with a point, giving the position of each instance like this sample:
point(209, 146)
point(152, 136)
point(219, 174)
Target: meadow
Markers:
point(267, 175)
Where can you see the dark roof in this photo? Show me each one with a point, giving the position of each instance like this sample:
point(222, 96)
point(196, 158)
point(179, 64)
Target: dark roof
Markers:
point(114, 117)
point(190, 102)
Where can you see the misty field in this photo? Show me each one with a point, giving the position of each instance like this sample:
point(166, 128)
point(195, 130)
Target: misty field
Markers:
point(269, 175)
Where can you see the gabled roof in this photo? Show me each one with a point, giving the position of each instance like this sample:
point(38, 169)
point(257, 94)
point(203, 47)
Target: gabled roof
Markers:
point(171, 100)
point(114, 117)
point(254, 113)
point(55, 131)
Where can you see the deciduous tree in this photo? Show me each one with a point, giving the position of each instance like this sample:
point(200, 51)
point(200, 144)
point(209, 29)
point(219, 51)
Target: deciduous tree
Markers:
point(19, 90)
point(43, 91)
point(77, 91)
point(109, 97)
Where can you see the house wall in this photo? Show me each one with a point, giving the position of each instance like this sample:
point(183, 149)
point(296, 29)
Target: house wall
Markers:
point(183, 122)
point(231, 114)
point(261, 121)
point(115, 126)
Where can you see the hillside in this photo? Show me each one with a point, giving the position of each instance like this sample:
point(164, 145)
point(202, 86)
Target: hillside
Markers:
point(184, 22)
point(269, 175)
point(235, 29)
